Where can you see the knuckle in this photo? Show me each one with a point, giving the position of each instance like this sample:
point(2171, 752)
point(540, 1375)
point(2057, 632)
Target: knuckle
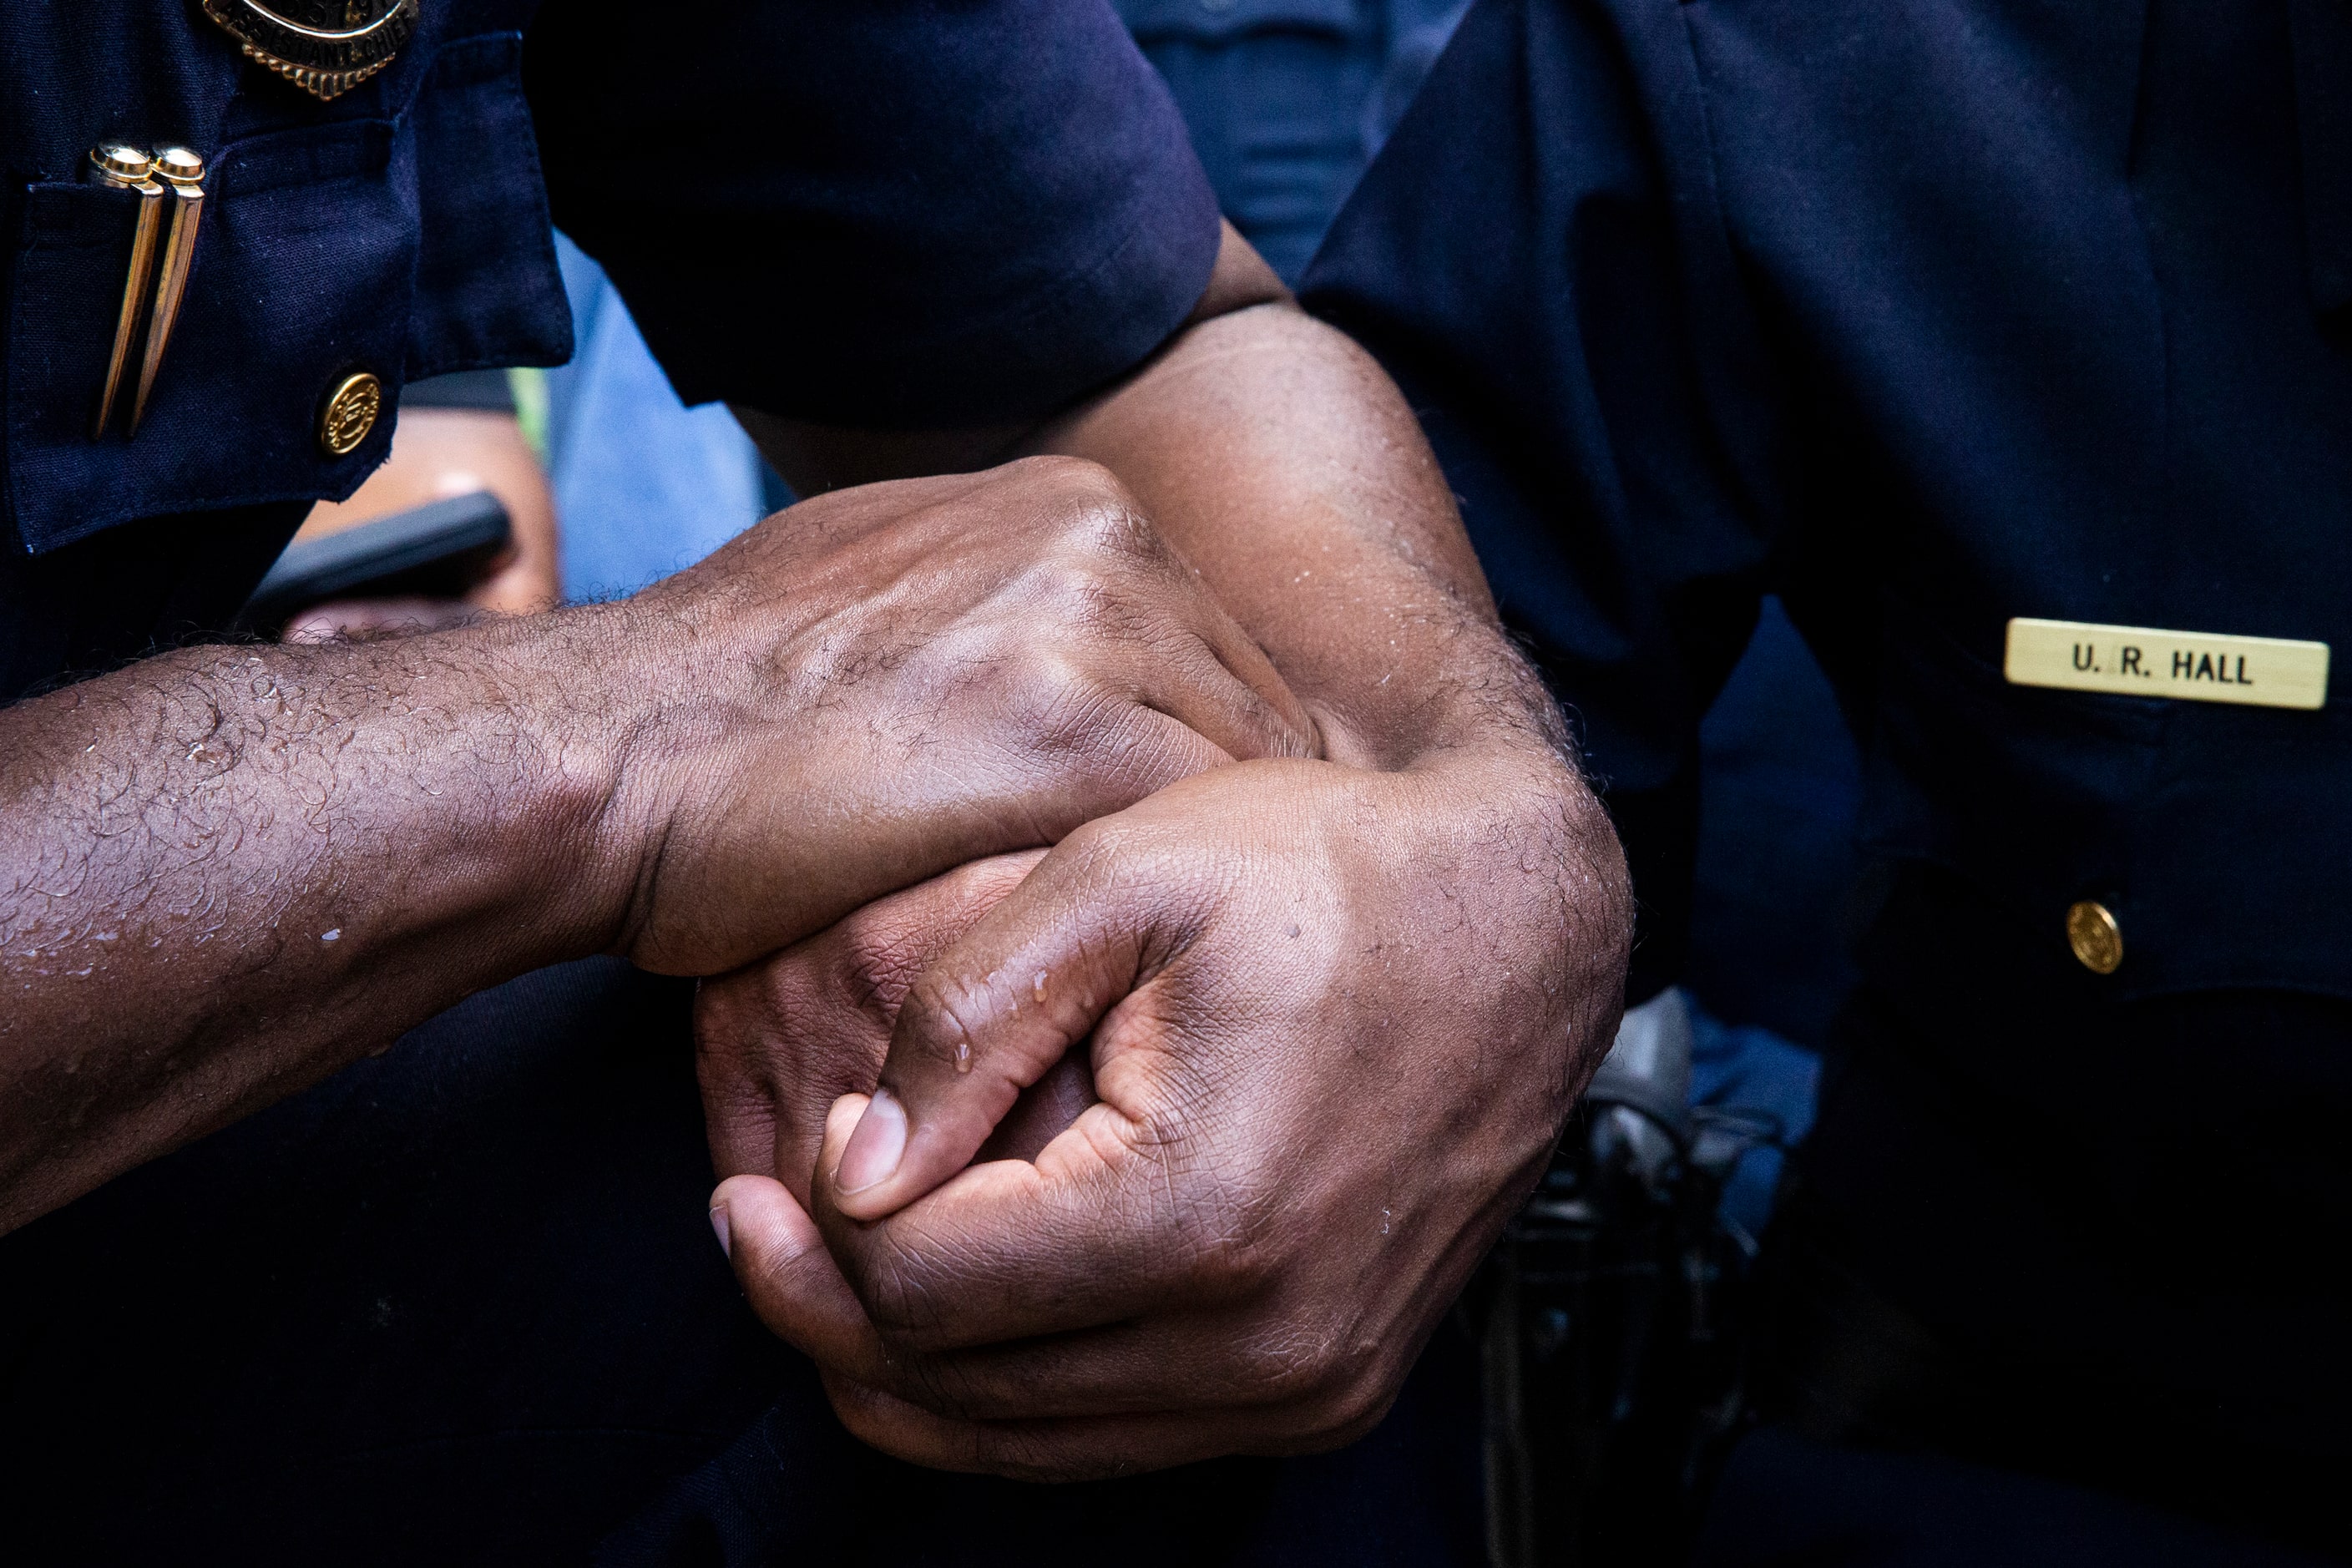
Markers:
point(1291, 1366)
point(1063, 472)
point(1159, 868)
point(1081, 608)
point(1324, 1403)
point(1099, 518)
point(1052, 692)
point(1285, 1375)
point(1079, 484)
point(871, 968)
point(1361, 1376)
point(1114, 529)
point(1096, 847)
point(1323, 1432)
point(1068, 589)
point(855, 1410)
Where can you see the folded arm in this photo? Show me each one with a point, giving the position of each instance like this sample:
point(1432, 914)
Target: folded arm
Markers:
point(229, 871)
point(1335, 1009)
point(1281, 462)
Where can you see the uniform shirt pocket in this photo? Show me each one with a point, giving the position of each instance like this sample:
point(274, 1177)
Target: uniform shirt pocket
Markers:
point(304, 271)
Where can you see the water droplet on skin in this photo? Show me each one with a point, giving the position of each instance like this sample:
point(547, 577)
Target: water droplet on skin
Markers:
point(1037, 986)
point(1384, 1221)
point(334, 935)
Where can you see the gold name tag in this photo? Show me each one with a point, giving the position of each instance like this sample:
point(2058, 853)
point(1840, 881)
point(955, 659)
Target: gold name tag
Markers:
point(2140, 662)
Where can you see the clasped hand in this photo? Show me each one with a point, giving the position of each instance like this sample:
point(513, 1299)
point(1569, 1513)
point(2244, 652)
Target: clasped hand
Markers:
point(888, 682)
point(1186, 1133)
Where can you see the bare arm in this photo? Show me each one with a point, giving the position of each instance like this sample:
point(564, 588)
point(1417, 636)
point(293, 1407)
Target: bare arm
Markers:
point(1289, 471)
point(1282, 462)
point(226, 871)
point(1335, 1010)
point(230, 869)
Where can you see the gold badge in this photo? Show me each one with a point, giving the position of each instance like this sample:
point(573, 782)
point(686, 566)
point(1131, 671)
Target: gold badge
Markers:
point(351, 413)
point(2141, 661)
point(326, 47)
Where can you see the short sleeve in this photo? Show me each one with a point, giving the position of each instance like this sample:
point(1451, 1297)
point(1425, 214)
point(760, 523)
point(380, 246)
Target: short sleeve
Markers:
point(1535, 257)
point(889, 213)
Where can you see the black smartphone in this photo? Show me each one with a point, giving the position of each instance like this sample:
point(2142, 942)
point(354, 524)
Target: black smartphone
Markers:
point(436, 552)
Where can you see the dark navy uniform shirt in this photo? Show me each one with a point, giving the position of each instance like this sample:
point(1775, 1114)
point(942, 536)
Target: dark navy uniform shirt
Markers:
point(1931, 314)
point(895, 212)
point(1287, 100)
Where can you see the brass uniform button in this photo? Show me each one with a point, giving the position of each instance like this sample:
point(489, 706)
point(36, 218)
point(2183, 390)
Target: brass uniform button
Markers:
point(2096, 939)
point(351, 413)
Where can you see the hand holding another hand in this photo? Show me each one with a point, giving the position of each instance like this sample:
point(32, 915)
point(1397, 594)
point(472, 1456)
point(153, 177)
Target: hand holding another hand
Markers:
point(885, 682)
point(1335, 1018)
point(779, 1041)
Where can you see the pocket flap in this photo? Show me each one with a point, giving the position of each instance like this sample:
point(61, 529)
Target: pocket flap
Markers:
point(304, 268)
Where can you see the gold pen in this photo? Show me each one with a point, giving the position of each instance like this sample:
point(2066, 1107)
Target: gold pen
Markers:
point(183, 173)
point(126, 168)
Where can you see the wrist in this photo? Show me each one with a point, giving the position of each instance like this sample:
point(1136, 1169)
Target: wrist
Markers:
point(1458, 693)
point(586, 817)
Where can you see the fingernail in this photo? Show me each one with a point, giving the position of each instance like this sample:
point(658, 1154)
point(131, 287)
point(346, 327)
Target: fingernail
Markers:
point(719, 1225)
point(873, 1149)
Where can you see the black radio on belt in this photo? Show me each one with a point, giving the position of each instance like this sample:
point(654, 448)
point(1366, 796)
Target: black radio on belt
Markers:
point(1616, 1323)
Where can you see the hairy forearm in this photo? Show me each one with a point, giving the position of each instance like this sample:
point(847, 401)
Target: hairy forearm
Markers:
point(229, 871)
point(226, 871)
point(1286, 467)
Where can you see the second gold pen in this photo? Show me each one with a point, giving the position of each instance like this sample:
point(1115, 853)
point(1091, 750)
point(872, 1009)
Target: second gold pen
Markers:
point(182, 173)
point(127, 167)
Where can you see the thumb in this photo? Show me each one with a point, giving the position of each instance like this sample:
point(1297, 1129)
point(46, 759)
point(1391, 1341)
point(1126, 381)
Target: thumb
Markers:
point(791, 1282)
point(990, 1017)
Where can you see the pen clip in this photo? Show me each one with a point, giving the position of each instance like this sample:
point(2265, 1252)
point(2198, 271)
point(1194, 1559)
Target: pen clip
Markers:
point(128, 168)
point(182, 174)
